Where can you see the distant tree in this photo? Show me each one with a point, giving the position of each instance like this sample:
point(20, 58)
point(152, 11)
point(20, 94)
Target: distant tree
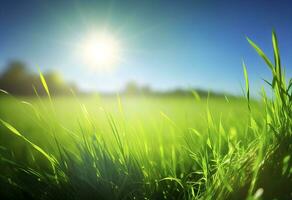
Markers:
point(15, 70)
point(146, 90)
point(17, 80)
point(56, 83)
point(132, 88)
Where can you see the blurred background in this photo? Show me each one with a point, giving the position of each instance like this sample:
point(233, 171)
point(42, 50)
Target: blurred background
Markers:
point(133, 47)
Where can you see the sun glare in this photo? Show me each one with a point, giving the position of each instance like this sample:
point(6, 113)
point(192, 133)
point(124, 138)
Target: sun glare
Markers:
point(100, 51)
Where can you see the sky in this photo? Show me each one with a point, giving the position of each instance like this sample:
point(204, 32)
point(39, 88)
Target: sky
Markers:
point(163, 44)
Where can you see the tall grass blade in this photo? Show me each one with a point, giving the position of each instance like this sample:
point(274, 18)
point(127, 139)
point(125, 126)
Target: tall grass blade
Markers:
point(44, 83)
point(261, 53)
point(36, 147)
point(276, 50)
point(246, 84)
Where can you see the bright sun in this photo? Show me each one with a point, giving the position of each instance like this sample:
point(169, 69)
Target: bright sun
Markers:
point(100, 51)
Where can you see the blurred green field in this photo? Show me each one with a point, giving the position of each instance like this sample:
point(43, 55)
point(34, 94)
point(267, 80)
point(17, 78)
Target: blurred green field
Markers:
point(155, 119)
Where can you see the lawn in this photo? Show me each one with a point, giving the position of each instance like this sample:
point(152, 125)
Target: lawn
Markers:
point(139, 115)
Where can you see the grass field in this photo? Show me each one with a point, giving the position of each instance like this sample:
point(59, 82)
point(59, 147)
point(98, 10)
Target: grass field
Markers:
point(148, 147)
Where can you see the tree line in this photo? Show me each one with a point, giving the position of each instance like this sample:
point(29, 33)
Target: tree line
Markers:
point(18, 80)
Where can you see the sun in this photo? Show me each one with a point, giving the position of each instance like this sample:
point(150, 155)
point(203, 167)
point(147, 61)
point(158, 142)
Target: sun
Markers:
point(100, 51)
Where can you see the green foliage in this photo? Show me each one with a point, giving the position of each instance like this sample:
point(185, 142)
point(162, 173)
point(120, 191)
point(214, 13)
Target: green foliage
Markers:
point(18, 80)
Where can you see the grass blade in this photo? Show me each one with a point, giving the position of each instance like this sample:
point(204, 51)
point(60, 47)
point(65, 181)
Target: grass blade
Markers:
point(36, 147)
point(246, 84)
point(276, 50)
point(261, 53)
point(44, 83)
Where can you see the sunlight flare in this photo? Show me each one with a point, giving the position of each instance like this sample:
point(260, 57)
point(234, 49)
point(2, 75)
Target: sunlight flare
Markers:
point(100, 51)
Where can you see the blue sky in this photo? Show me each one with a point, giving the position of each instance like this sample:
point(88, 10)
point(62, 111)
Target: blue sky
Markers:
point(166, 44)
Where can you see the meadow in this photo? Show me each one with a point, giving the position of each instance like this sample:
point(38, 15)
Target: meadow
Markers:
point(129, 147)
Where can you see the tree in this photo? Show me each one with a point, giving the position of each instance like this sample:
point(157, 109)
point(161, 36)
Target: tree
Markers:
point(17, 80)
point(132, 88)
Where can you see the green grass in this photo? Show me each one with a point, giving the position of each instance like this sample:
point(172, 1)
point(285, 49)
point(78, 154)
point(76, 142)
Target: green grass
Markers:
point(149, 147)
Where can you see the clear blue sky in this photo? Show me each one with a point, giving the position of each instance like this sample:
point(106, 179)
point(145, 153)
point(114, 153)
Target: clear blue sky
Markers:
point(166, 44)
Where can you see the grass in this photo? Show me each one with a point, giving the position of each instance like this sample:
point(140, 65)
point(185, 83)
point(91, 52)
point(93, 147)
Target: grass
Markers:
point(149, 148)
